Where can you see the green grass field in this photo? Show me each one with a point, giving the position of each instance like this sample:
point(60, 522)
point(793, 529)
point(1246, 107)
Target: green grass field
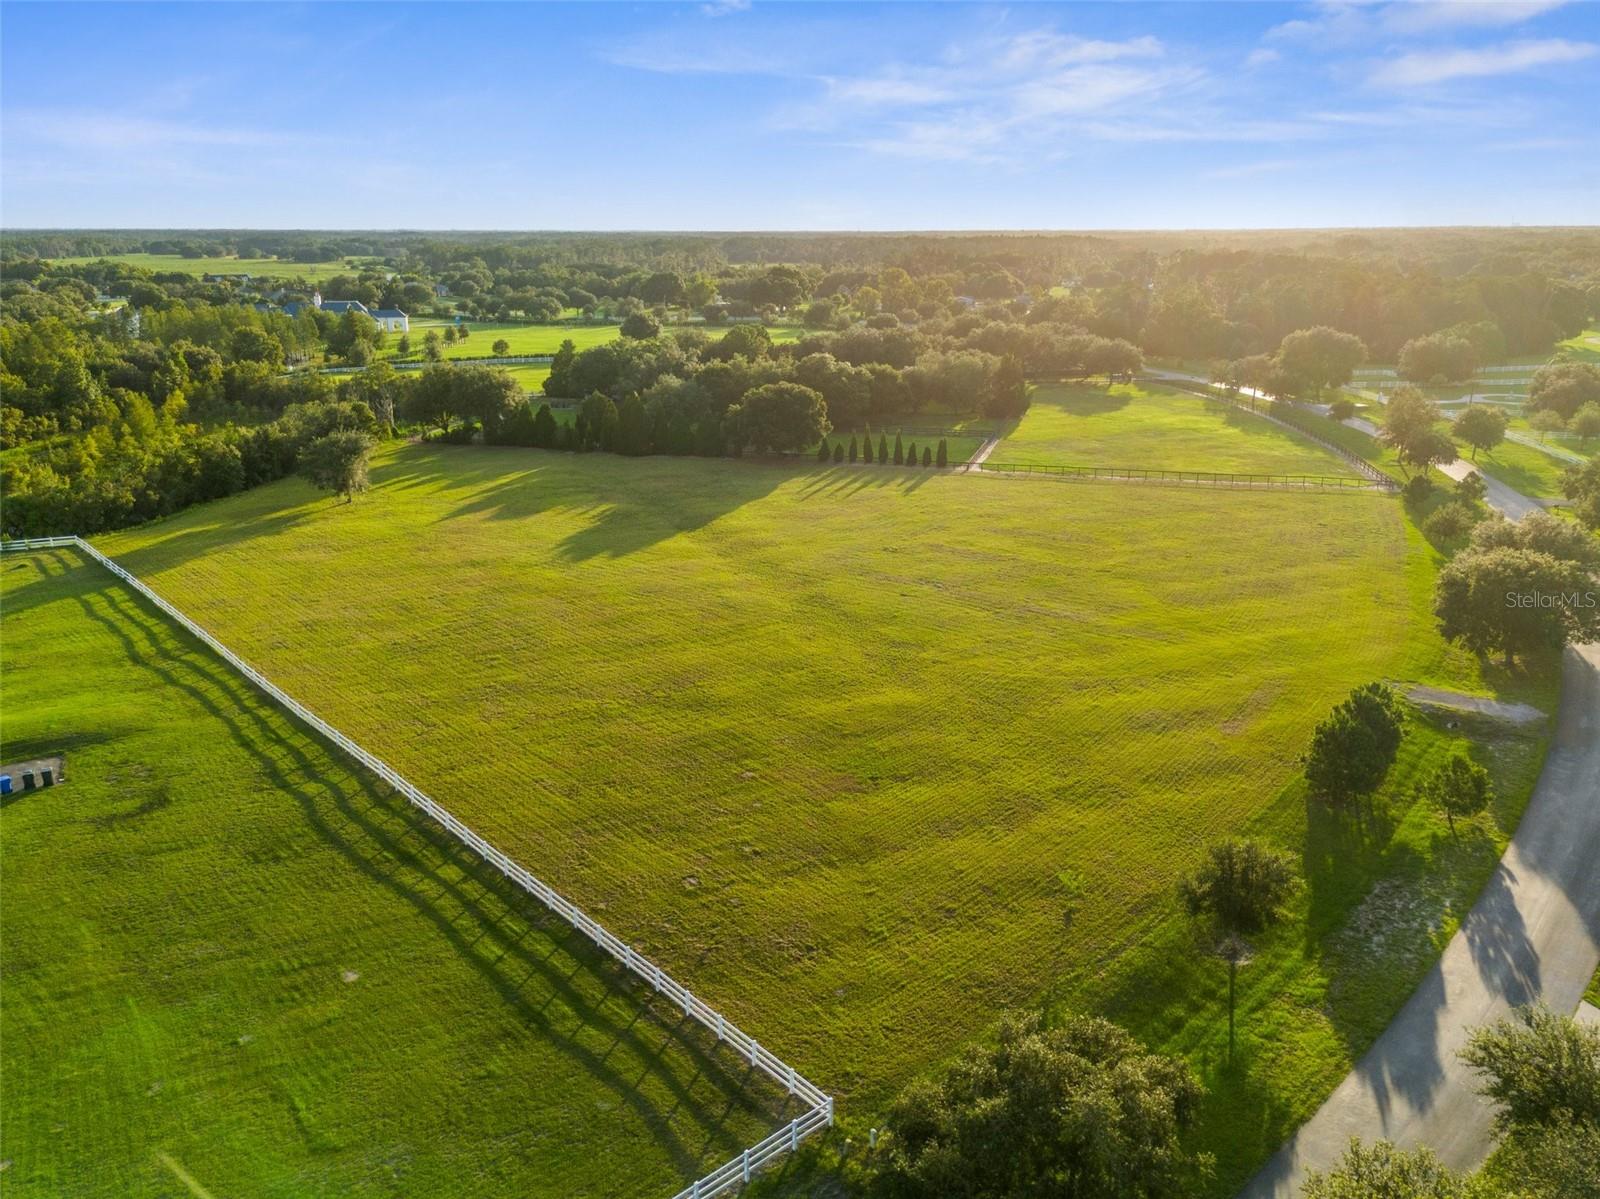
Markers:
point(835, 780)
point(273, 267)
point(229, 958)
point(1146, 425)
point(541, 339)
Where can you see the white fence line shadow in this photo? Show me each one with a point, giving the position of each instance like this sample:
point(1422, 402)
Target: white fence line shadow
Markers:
point(731, 1174)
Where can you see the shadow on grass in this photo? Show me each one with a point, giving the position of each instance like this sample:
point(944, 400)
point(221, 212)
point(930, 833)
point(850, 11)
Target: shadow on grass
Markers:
point(484, 918)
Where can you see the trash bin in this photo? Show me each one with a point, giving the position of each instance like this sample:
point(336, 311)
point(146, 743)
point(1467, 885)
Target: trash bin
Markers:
point(5, 784)
point(47, 777)
point(27, 780)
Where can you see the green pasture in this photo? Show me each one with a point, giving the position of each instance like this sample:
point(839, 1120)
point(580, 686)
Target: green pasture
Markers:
point(827, 741)
point(273, 267)
point(1146, 425)
point(527, 340)
point(235, 966)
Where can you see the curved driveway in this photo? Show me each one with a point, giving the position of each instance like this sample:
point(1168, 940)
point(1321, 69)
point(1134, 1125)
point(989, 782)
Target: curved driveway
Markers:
point(1532, 937)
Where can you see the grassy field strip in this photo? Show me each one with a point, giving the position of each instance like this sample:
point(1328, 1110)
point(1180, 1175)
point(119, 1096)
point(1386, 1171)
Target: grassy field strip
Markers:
point(230, 955)
point(1150, 426)
point(178, 264)
point(693, 1007)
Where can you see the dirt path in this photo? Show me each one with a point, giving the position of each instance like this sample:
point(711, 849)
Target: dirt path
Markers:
point(1533, 936)
point(981, 454)
point(1433, 697)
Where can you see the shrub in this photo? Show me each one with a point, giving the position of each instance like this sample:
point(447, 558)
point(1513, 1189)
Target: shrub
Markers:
point(1449, 522)
point(883, 447)
point(944, 454)
point(853, 450)
point(1417, 489)
point(927, 456)
point(838, 451)
point(899, 451)
point(1352, 750)
point(822, 451)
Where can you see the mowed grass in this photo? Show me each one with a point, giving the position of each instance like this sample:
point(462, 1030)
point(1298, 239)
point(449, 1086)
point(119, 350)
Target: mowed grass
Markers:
point(528, 340)
point(1146, 425)
point(273, 267)
point(229, 958)
point(824, 740)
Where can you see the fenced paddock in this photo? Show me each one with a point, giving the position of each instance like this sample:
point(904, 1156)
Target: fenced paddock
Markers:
point(731, 1174)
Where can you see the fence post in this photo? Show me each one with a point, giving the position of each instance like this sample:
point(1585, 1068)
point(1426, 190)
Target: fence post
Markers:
point(745, 1163)
point(794, 1135)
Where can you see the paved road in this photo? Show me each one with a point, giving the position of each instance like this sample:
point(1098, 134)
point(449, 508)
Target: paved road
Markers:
point(1533, 935)
point(1497, 495)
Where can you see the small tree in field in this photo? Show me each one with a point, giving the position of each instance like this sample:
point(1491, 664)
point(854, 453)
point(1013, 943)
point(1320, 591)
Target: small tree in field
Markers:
point(927, 456)
point(1242, 887)
point(883, 447)
point(450, 335)
point(838, 451)
point(1352, 750)
point(943, 458)
point(403, 346)
point(337, 462)
point(854, 450)
point(1586, 423)
point(899, 451)
point(866, 448)
point(911, 454)
point(822, 451)
point(1482, 427)
point(1460, 787)
point(501, 347)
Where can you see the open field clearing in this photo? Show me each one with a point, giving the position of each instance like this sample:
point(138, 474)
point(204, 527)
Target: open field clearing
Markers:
point(1146, 425)
point(230, 959)
point(724, 738)
point(545, 339)
point(274, 267)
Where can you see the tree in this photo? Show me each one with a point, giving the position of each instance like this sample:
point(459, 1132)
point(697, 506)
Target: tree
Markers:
point(1409, 425)
point(1342, 408)
point(641, 327)
point(899, 451)
point(866, 447)
point(1381, 1171)
point(501, 347)
point(911, 454)
point(1582, 485)
point(1442, 356)
point(544, 427)
point(883, 447)
point(633, 428)
point(1539, 1068)
point(1585, 423)
point(337, 462)
point(1077, 1111)
point(1520, 587)
point(1458, 787)
point(1008, 390)
point(943, 458)
point(1450, 521)
point(1241, 887)
point(250, 344)
point(838, 451)
point(381, 388)
point(449, 335)
point(559, 383)
point(822, 451)
point(745, 341)
point(431, 349)
point(1352, 749)
point(1481, 426)
point(1321, 357)
point(854, 449)
point(403, 346)
point(927, 456)
point(1564, 387)
point(1546, 421)
point(780, 417)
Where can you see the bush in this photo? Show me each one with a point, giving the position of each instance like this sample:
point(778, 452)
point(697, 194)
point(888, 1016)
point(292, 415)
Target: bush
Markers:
point(1449, 522)
point(927, 456)
point(838, 451)
point(944, 454)
point(853, 450)
point(1080, 1111)
point(1417, 489)
point(911, 454)
point(822, 451)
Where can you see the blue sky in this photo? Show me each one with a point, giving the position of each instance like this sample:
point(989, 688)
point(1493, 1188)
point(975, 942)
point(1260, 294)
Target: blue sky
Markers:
point(732, 115)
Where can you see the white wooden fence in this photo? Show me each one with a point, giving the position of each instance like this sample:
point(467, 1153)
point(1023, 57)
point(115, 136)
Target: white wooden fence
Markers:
point(726, 1177)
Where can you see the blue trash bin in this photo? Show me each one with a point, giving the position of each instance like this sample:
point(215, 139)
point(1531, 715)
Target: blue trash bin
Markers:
point(5, 784)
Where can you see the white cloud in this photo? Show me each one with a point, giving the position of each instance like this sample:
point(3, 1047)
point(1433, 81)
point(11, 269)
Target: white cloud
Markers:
point(1426, 16)
point(1424, 67)
point(1262, 57)
point(722, 8)
point(114, 132)
point(1344, 22)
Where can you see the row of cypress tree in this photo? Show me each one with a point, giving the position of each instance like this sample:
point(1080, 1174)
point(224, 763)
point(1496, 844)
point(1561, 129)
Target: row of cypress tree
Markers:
point(901, 455)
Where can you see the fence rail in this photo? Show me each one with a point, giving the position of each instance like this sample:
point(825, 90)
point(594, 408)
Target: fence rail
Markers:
point(1212, 392)
point(732, 1173)
point(1198, 478)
